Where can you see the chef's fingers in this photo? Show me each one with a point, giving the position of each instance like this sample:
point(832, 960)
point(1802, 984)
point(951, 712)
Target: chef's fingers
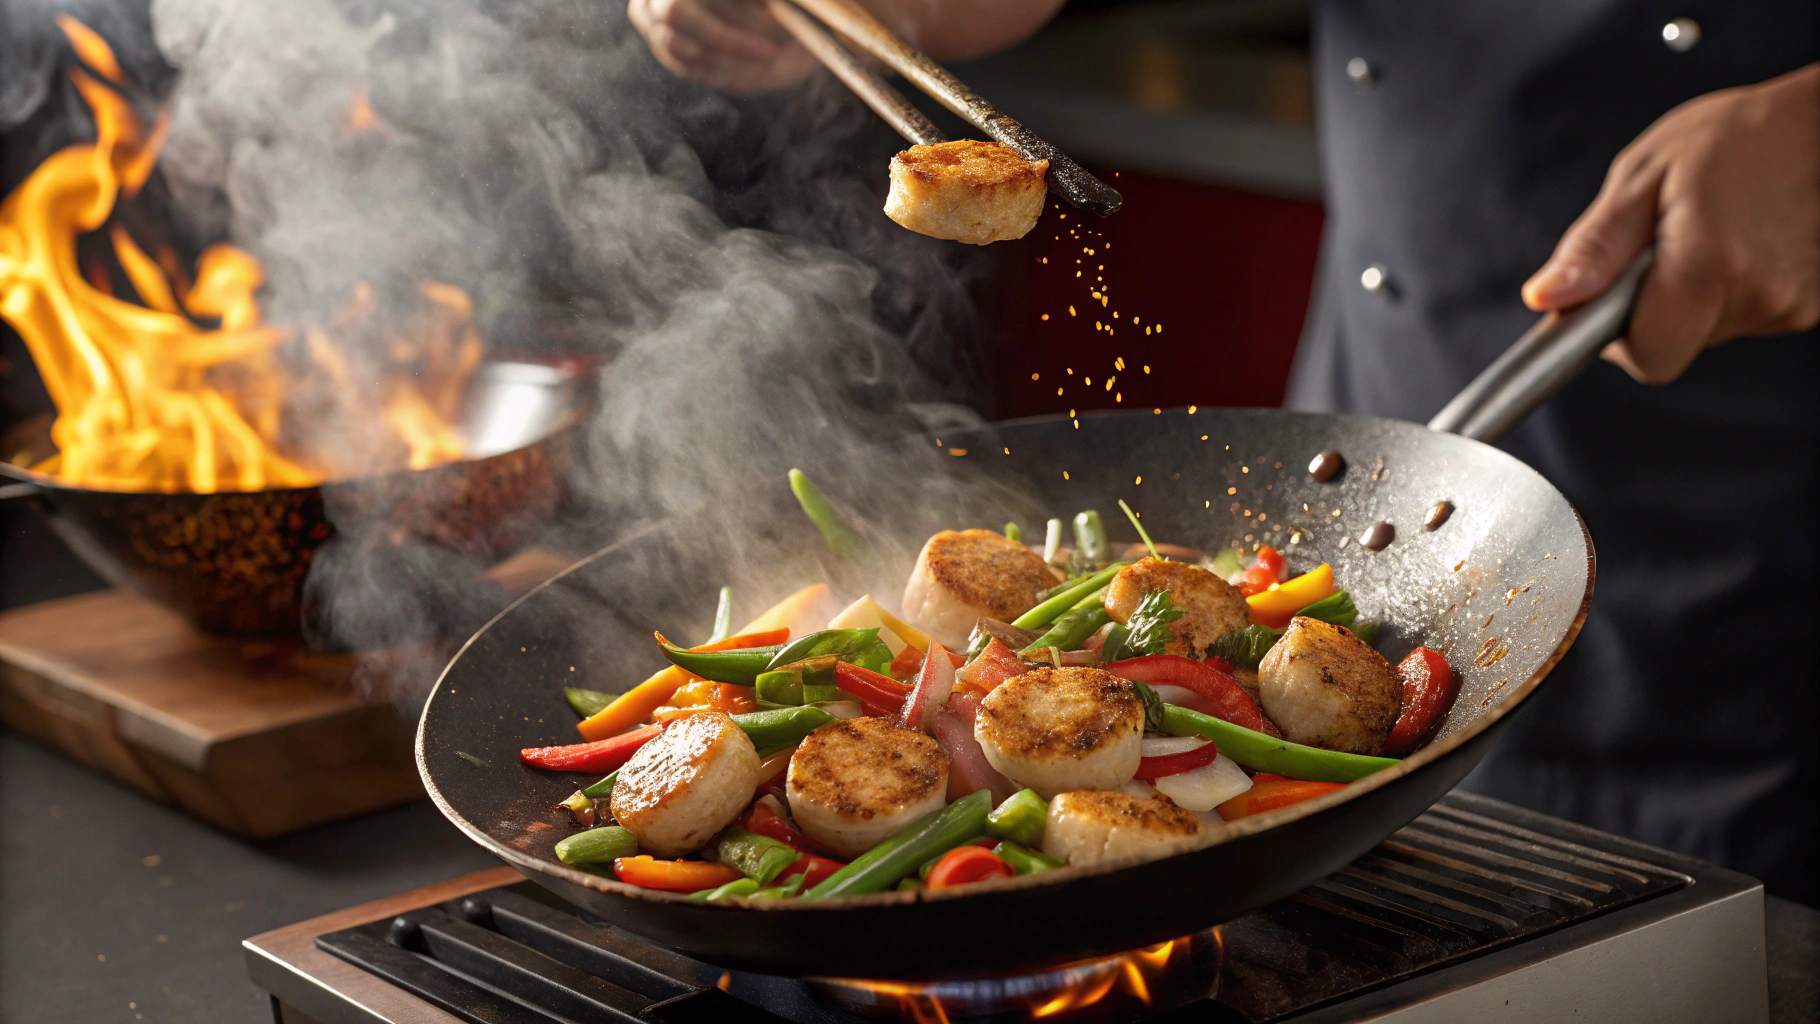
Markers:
point(691, 20)
point(1678, 310)
point(1605, 238)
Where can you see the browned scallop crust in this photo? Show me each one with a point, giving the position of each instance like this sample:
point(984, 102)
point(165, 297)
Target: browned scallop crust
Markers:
point(988, 571)
point(1051, 712)
point(867, 766)
point(1155, 816)
point(1211, 607)
point(968, 190)
point(1327, 688)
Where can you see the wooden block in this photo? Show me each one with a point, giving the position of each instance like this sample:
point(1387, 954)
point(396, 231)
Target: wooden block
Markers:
point(258, 737)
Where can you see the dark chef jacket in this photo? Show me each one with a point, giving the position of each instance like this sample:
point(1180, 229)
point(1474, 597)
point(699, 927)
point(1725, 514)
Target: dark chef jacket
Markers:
point(1455, 157)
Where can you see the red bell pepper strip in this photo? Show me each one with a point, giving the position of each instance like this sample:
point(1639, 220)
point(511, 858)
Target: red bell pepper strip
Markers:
point(1270, 560)
point(1227, 700)
point(766, 822)
point(907, 664)
point(965, 864)
point(817, 868)
point(1269, 792)
point(1429, 687)
point(595, 758)
point(648, 872)
point(882, 693)
point(1150, 768)
point(994, 665)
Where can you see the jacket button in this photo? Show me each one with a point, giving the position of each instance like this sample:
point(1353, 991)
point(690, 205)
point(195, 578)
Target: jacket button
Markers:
point(1361, 72)
point(1375, 278)
point(1681, 35)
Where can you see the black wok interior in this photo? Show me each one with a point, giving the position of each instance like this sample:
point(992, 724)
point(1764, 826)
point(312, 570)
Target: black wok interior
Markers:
point(1501, 588)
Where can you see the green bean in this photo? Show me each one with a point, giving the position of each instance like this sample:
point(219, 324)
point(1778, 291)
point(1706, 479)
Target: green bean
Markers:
point(1053, 608)
point(1052, 540)
point(782, 727)
point(1024, 861)
point(1071, 630)
point(737, 887)
point(597, 845)
point(841, 540)
point(760, 857)
point(1090, 543)
point(1263, 753)
point(898, 857)
point(1020, 818)
point(723, 617)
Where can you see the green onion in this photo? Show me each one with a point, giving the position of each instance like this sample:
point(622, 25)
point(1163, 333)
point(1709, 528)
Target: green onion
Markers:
point(1052, 540)
point(1090, 543)
point(723, 617)
point(839, 538)
point(597, 846)
point(1145, 534)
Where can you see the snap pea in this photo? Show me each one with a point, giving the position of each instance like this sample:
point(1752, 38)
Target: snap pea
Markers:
point(760, 857)
point(1024, 861)
point(1052, 608)
point(781, 727)
point(597, 845)
point(792, 683)
point(898, 857)
point(737, 887)
point(1020, 818)
point(1090, 543)
point(860, 647)
point(740, 667)
point(1263, 753)
point(603, 789)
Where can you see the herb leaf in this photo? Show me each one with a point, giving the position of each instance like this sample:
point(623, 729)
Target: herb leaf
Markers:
point(1149, 625)
point(1153, 706)
point(1245, 647)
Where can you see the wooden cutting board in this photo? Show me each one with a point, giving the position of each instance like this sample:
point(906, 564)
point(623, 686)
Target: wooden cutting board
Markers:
point(258, 737)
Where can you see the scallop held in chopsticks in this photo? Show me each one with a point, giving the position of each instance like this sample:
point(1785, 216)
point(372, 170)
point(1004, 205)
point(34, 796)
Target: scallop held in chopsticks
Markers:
point(967, 191)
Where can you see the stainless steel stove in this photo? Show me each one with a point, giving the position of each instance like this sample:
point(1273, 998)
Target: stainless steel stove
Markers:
point(1476, 911)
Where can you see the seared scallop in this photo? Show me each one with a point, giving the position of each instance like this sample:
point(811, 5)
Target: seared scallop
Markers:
point(1327, 688)
point(686, 785)
point(1092, 825)
point(1211, 607)
point(968, 190)
point(964, 576)
point(853, 784)
point(1058, 729)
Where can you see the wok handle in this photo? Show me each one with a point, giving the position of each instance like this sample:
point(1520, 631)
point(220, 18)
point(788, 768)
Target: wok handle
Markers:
point(1556, 350)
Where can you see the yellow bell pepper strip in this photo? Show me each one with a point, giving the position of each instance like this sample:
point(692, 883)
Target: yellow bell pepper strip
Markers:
point(1276, 606)
point(648, 872)
point(635, 705)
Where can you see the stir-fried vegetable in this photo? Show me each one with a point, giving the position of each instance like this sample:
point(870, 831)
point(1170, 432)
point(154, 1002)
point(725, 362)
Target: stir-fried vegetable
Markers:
point(1429, 686)
point(597, 846)
point(1269, 792)
point(1052, 541)
point(1336, 608)
point(1276, 606)
point(636, 704)
point(598, 756)
point(860, 647)
point(1073, 628)
point(1142, 533)
point(1024, 861)
point(588, 703)
point(781, 727)
point(803, 682)
point(1013, 533)
point(760, 857)
point(1054, 607)
point(723, 617)
point(648, 872)
point(1226, 564)
point(898, 857)
point(1147, 631)
point(737, 887)
point(1020, 818)
point(1090, 544)
point(602, 790)
point(1263, 753)
point(965, 864)
point(879, 694)
point(1228, 700)
point(840, 539)
point(1152, 768)
point(1245, 647)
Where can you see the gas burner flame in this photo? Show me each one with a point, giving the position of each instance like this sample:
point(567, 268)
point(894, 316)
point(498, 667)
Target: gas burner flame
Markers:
point(1070, 991)
point(147, 397)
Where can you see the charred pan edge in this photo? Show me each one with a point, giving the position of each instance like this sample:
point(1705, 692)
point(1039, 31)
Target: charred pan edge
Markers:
point(532, 866)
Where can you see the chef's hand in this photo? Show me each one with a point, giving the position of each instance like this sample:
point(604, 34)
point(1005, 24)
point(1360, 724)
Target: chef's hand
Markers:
point(731, 45)
point(1728, 188)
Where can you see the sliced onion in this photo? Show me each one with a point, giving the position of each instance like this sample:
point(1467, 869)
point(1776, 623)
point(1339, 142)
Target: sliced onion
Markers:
point(930, 694)
point(1182, 697)
point(1138, 788)
point(1163, 746)
point(968, 769)
point(1207, 786)
point(844, 709)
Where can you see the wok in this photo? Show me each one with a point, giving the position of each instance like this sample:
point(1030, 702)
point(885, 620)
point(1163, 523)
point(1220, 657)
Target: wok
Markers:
point(1502, 587)
point(236, 562)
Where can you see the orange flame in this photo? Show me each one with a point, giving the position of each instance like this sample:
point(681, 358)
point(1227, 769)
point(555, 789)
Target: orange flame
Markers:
point(1086, 983)
point(146, 398)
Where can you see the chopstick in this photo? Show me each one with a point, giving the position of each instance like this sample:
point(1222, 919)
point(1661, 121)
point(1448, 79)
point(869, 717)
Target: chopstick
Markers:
point(858, 27)
point(885, 101)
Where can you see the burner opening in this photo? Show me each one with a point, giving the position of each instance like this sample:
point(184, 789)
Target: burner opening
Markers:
point(1118, 987)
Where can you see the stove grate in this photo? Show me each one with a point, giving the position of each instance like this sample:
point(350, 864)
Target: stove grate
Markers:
point(1468, 876)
